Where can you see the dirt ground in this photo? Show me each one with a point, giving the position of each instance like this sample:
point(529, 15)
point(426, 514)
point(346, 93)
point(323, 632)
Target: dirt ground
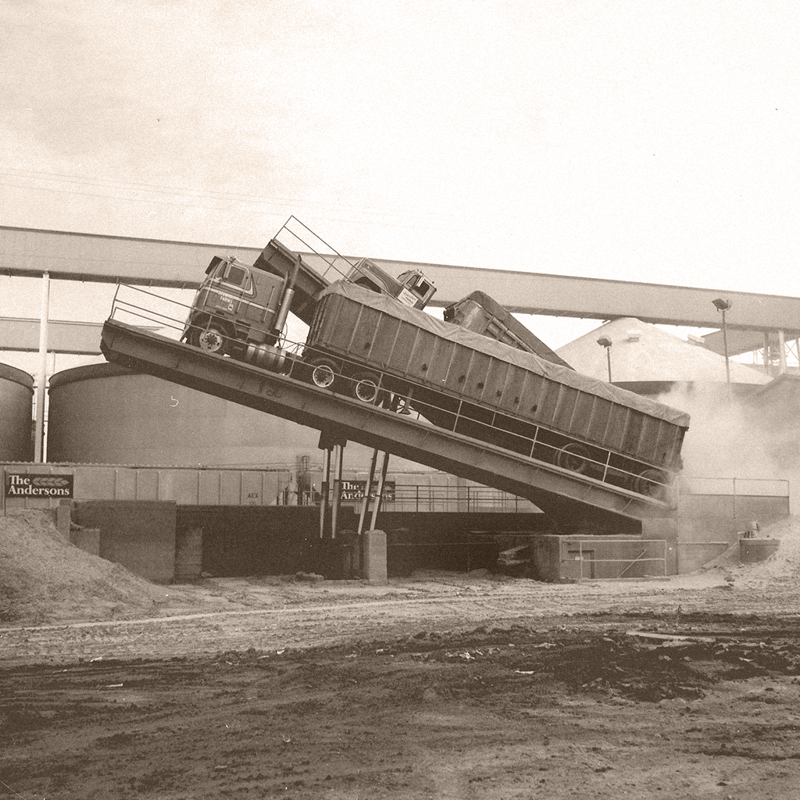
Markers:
point(442, 685)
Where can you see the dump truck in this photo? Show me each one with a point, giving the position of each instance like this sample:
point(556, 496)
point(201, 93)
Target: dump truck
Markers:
point(370, 338)
point(375, 349)
point(483, 314)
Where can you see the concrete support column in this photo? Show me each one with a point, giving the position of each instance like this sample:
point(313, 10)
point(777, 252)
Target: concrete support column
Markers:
point(375, 561)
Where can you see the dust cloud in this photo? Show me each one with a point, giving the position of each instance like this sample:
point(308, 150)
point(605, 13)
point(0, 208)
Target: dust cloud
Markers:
point(735, 436)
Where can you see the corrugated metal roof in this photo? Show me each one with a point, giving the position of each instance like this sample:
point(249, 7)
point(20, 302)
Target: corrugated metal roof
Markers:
point(642, 352)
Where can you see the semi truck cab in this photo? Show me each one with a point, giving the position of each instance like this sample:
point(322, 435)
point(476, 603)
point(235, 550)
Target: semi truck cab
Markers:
point(235, 307)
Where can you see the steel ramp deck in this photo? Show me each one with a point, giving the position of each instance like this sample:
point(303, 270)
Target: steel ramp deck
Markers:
point(551, 488)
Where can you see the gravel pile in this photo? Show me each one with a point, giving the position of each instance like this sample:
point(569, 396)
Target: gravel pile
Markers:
point(45, 579)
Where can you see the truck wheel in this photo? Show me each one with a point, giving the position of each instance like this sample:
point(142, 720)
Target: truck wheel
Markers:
point(323, 373)
point(652, 483)
point(364, 387)
point(211, 339)
point(574, 457)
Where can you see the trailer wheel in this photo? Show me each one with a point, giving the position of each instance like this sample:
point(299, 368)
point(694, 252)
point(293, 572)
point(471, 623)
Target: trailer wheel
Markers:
point(652, 483)
point(211, 339)
point(323, 373)
point(574, 457)
point(364, 387)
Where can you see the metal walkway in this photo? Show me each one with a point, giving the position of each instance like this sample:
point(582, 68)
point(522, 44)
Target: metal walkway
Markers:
point(553, 489)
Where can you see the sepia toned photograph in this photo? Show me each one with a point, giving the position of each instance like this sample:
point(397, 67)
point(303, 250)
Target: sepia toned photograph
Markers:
point(399, 401)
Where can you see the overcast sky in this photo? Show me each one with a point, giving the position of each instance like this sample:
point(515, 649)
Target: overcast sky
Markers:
point(646, 141)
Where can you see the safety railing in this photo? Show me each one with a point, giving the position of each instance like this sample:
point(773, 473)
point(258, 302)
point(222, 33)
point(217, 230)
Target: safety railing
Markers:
point(596, 558)
point(161, 314)
point(469, 499)
point(298, 237)
point(466, 499)
point(749, 487)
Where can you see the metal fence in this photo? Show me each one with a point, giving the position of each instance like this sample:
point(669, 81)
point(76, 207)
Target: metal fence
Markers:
point(599, 559)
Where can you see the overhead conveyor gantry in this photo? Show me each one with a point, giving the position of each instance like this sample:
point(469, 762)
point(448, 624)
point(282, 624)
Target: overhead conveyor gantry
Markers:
point(73, 256)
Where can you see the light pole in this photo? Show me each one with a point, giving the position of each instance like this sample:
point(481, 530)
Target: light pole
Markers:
point(723, 306)
point(604, 341)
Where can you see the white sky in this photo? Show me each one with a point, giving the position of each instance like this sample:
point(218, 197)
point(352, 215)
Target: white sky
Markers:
point(643, 141)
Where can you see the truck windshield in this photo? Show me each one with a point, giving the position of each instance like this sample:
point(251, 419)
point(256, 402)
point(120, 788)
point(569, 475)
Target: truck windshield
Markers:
point(416, 283)
point(422, 289)
point(236, 275)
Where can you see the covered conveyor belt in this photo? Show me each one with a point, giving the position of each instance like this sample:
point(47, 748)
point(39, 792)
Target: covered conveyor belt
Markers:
point(553, 489)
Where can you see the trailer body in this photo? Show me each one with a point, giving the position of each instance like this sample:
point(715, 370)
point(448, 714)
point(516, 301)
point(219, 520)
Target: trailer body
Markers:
point(487, 389)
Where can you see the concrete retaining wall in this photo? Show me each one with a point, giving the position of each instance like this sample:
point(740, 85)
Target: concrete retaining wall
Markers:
point(139, 535)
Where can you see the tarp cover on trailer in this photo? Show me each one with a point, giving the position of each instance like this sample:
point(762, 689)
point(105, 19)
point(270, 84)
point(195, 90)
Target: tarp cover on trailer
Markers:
point(520, 358)
point(492, 309)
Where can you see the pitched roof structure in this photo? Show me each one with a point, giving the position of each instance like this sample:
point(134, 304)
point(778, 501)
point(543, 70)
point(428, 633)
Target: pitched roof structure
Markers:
point(641, 352)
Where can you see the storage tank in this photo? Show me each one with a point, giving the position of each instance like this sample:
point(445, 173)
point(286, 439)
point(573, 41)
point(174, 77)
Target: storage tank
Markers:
point(16, 414)
point(106, 414)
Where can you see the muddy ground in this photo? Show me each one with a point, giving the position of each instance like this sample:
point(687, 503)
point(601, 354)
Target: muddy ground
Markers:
point(440, 686)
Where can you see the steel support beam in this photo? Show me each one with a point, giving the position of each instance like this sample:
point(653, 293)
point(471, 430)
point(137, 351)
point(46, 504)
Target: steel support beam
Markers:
point(79, 338)
point(150, 262)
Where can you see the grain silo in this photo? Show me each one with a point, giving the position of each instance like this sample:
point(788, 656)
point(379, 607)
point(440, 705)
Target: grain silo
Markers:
point(16, 410)
point(105, 414)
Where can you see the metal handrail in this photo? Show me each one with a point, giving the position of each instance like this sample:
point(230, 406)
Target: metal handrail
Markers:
point(330, 261)
point(147, 314)
point(661, 543)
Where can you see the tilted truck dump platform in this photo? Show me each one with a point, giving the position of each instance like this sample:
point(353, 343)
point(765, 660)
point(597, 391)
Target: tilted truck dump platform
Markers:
point(552, 488)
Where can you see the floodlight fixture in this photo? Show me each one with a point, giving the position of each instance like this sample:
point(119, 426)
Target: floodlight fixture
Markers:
point(724, 305)
point(604, 341)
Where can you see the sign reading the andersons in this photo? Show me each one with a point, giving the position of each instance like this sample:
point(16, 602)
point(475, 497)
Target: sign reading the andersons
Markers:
point(32, 485)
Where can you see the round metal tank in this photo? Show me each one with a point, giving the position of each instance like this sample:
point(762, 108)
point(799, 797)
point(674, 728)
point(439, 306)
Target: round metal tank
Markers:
point(16, 412)
point(104, 414)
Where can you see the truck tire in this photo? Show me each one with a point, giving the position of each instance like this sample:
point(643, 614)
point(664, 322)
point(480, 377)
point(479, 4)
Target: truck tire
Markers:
point(323, 372)
point(574, 457)
point(653, 483)
point(211, 339)
point(364, 387)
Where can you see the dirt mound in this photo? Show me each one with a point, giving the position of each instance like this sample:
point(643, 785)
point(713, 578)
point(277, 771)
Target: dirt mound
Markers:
point(44, 578)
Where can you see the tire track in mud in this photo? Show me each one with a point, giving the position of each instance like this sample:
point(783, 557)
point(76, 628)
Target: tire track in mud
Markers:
point(313, 624)
point(308, 625)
